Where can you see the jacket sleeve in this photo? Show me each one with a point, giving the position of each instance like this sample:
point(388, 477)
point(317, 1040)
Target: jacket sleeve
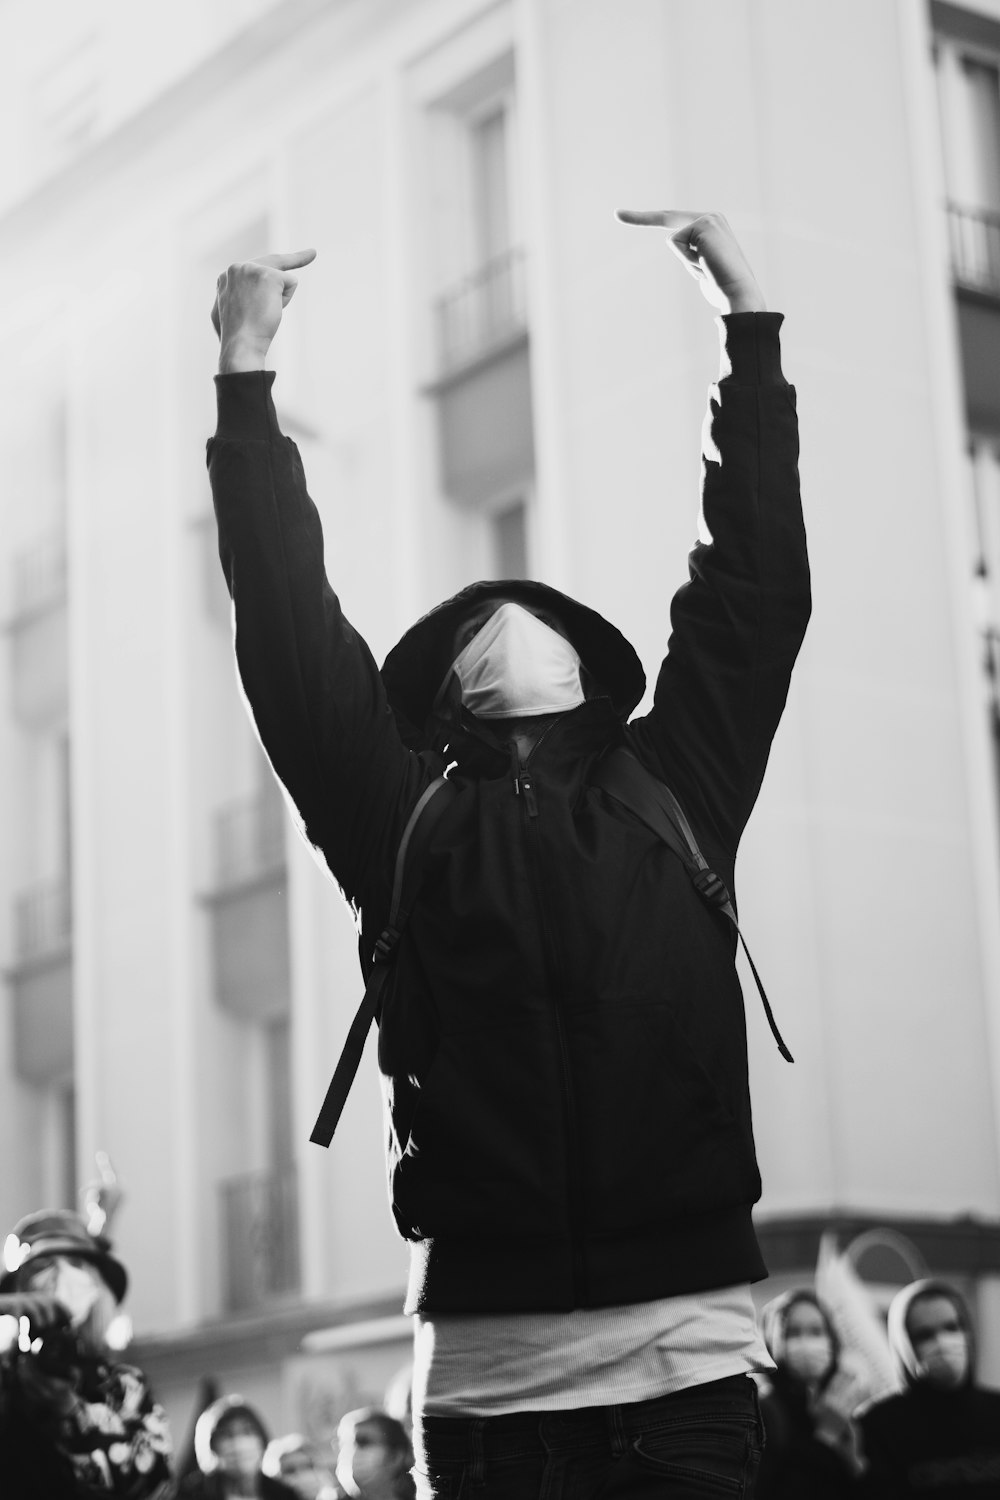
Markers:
point(738, 623)
point(311, 685)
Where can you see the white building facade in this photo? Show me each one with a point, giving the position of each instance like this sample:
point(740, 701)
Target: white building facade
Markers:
point(486, 376)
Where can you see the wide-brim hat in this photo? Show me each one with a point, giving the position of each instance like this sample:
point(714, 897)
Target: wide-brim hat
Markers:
point(415, 667)
point(59, 1231)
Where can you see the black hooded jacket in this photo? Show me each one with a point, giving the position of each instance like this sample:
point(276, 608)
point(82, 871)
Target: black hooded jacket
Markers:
point(563, 1044)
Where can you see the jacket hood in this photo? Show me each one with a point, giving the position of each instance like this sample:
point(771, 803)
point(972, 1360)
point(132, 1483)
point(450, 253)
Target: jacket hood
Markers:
point(774, 1318)
point(214, 1417)
point(414, 669)
point(900, 1342)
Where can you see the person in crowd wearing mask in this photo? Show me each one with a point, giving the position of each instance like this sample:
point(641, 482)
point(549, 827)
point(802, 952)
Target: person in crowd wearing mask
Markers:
point(76, 1421)
point(562, 1038)
point(941, 1435)
point(374, 1456)
point(813, 1446)
point(294, 1460)
point(229, 1443)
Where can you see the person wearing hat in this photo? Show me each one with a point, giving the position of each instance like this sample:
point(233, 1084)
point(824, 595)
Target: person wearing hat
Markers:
point(75, 1421)
point(562, 1037)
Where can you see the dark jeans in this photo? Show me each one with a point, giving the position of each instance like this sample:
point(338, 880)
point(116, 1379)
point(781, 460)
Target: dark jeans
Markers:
point(699, 1442)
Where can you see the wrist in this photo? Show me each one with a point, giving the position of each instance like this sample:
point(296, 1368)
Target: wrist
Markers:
point(747, 299)
point(241, 354)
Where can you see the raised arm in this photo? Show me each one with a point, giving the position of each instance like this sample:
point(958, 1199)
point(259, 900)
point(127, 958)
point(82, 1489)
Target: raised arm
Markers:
point(737, 625)
point(310, 682)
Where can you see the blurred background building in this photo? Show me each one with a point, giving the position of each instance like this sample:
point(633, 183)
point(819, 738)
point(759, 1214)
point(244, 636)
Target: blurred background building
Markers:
point(486, 376)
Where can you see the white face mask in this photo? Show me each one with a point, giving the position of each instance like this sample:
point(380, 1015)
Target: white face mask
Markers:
point(78, 1288)
point(808, 1356)
point(945, 1362)
point(516, 667)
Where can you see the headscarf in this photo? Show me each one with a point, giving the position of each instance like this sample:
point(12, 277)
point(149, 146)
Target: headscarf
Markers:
point(773, 1323)
point(900, 1341)
point(214, 1417)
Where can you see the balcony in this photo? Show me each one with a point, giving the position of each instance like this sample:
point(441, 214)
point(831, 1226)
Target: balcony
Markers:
point(249, 910)
point(974, 237)
point(483, 388)
point(260, 1225)
point(483, 312)
point(41, 982)
point(39, 634)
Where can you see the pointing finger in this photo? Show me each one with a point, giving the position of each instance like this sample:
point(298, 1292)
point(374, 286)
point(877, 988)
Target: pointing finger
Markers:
point(659, 218)
point(290, 260)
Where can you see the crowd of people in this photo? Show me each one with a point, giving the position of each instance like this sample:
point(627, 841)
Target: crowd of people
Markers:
point(237, 1460)
point(938, 1434)
point(78, 1421)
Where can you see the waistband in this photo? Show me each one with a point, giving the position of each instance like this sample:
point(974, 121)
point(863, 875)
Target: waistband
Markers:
point(463, 1439)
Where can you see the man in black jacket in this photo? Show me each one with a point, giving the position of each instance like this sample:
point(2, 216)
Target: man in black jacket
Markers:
point(562, 1043)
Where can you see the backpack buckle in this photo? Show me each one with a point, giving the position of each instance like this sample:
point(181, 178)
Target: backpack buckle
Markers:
point(385, 945)
point(711, 886)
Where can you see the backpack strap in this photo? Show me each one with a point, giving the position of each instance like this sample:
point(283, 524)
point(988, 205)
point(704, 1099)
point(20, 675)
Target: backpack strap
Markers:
point(623, 776)
point(405, 884)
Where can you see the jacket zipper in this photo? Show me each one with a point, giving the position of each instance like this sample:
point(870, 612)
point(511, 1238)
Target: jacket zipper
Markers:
point(524, 787)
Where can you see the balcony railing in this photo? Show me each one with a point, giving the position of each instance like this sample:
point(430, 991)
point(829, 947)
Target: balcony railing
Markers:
point(43, 921)
point(974, 236)
point(486, 309)
point(40, 576)
point(260, 1218)
point(249, 839)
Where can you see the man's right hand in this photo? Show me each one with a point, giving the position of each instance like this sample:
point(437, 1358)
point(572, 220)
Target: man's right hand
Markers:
point(250, 298)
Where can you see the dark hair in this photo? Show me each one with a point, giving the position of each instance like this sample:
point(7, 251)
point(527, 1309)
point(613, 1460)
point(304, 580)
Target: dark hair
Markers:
point(215, 1419)
point(239, 1414)
point(932, 1289)
point(395, 1437)
point(393, 1433)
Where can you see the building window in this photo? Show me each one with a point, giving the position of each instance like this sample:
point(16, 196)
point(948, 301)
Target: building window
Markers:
point(43, 910)
point(478, 263)
point(969, 100)
point(278, 1064)
point(490, 159)
point(984, 462)
point(65, 1108)
point(486, 306)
